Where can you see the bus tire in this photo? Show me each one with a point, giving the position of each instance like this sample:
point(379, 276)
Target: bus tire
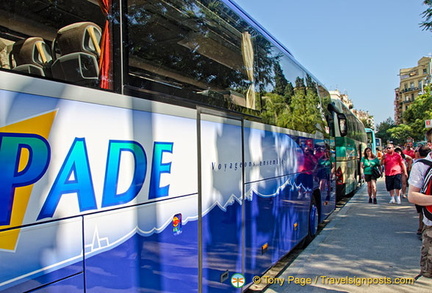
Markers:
point(313, 221)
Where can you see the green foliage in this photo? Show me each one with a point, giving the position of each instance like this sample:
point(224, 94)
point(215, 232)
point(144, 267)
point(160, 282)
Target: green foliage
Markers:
point(419, 111)
point(280, 81)
point(366, 122)
point(400, 133)
point(276, 110)
point(296, 108)
point(414, 117)
point(383, 130)
point(427, 15)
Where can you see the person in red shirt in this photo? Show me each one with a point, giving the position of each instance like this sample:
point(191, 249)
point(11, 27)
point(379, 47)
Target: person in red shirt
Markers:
point(394, 167)
point(409, 151)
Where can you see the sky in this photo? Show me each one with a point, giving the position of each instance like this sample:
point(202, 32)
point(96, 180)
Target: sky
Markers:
point(356, 47)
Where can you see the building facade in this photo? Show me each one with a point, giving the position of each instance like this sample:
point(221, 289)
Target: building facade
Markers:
point(411, 84)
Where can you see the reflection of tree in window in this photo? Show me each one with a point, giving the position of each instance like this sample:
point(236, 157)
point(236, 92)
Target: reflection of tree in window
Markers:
point(181, 42)
point(295, 108)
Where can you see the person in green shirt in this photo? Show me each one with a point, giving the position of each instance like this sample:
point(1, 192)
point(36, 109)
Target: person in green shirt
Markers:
point(368, 161)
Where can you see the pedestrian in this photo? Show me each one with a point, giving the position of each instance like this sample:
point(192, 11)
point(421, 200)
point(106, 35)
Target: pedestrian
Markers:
point(394, 167)
point(379, 153)
point(408, 163)
point(368, 161)
point(421, 152)
point(416, 182)
point(409, 151)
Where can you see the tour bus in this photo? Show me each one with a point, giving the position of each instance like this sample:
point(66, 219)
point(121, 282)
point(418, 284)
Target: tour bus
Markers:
point(156, 146)
point(371, 140)
point(378, 143)
point(350, 144)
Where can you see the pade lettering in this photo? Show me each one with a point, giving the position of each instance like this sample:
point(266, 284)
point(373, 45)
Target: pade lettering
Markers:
point(24, 159)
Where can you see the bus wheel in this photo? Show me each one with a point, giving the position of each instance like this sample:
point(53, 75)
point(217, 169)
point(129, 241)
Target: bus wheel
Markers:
point(313, 221)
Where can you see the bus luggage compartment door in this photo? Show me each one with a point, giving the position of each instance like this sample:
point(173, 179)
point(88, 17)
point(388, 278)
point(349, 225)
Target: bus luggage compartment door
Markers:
point(220, 201)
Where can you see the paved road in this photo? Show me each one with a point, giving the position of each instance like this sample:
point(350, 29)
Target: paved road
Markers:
point(375, 242)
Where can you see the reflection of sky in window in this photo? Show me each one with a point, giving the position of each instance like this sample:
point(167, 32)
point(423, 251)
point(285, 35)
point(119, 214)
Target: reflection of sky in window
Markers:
point(197, 10)
point(291, 70)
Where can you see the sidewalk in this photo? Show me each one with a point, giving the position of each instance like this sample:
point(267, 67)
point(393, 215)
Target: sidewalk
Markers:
point(377, 242)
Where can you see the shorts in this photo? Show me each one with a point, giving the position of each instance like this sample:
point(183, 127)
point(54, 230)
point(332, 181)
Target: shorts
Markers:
point(419, 209)
point(369, 177)
point(393, 182)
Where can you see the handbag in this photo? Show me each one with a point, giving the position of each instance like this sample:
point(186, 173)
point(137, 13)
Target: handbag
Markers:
point(376, 172)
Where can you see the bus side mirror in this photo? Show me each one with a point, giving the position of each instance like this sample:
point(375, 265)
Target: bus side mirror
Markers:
point(342, 124)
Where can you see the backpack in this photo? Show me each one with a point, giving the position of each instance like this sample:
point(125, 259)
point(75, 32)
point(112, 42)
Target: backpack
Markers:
point(427, 187)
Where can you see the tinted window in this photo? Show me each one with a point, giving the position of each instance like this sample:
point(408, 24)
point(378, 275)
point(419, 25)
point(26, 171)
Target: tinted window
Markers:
point(196, 49)
point(290, 97)
point(59, 40)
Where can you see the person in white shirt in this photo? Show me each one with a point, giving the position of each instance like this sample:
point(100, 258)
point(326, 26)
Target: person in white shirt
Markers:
point(416, 180)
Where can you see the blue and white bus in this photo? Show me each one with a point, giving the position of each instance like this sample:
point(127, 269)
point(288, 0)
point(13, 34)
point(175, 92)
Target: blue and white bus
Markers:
point(154, 146)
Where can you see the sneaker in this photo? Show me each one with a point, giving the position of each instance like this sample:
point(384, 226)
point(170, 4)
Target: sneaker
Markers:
point(392, 200)
point(398, 201)
point(370, 199)
point(375, 201)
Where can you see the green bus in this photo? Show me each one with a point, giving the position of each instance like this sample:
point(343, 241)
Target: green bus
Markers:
point(350, 142)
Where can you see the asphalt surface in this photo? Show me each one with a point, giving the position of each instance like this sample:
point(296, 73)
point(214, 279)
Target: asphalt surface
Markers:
point(364, 248)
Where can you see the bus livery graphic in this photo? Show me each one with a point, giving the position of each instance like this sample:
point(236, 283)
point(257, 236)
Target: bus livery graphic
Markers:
point(18, 144)
point(163, 146)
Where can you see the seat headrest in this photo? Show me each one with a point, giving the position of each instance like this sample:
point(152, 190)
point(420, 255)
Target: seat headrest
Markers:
point(78, 37)
point(32, 50)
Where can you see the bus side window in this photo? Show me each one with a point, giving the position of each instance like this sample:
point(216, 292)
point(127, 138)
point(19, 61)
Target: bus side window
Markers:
point(32, 56)
point(342, 120)
point(76, 50)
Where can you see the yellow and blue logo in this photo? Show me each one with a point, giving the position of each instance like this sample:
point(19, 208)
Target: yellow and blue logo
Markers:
point(25, 156)
point(20, 169)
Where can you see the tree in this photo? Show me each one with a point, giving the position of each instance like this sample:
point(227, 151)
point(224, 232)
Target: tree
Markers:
point(276, 110)
point(400, 133)
point(427, 15)
point(305, 114)
point(301, 111)
point(382, 130)
point(280, 81)
point(418, 112)
point(367, 123)
point(414, 118)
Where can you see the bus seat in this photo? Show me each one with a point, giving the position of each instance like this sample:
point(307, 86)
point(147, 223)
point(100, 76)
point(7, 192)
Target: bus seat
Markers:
point(31, 55)
point(80, 68)
point(76, 51)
